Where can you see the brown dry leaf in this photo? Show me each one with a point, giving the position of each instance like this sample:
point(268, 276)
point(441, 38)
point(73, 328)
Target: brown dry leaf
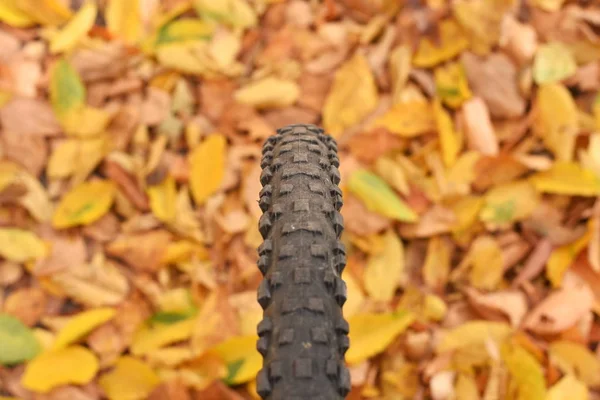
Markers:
point(27, 304)
point(26, 116)
point(480, 132)
point(142, 251)
point(66, 252)
point(494, 79)
point(351, 98)
point(511, 304)
point(359, 220)
point(561, 310)
point(518, 39)
point(28, 150)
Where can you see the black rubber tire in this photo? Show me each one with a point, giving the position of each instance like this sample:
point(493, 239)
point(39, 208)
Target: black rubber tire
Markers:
point(303, 335)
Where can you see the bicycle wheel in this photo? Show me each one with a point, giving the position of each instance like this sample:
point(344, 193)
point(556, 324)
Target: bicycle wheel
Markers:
point(303, 335)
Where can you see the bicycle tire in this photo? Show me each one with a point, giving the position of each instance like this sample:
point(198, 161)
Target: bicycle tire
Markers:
point(303, 335)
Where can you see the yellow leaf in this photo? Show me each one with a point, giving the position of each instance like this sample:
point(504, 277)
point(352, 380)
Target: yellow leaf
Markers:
point(437, 263)
point(568, 388)
point(557, 121)
point(408, 119)
point(72, 365)
point(452, 42)
point(526, 373)
point(567, 178)
point(182, 30)
point(549, 5)
point(466, 388)
point(46, 12)
point(378, 196)
point(574, 358)
point(182, 251)
point(187, 57)
point(434, 308)
point(242, 359)
point(124, 19)
point(399, 65)
point(482, 21)
point(385, 270)
point(269, 92)
point(450, 141)
point(371, 334)
point(131, 379)
point(77, 157)
point(85, 121)
point(207, 167)
point(76, 29)
point(352, 97)
point(393, 174)
point(82, 324)
point(510, 202)
point(152, 338)
point(13, 15)
point(487, 263)
point(553, 62)
point(19, 245)
point(84, 204)
point(562, 257)
point(236, 13)
point(163, 198)
point(451, 84)
point(355, 296)
point(473, 333)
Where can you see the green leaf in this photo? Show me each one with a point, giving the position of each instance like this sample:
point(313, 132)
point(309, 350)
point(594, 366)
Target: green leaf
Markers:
point(379, 197)
point(17, 343)
point(184, 30)
point(67, 92)
point(168, 318)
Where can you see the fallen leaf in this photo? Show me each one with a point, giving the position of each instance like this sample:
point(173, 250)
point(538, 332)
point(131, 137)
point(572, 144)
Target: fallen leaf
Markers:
point(18, 342)
point(236, 13)
point(437, 263)
point(360, 220)
point(590, 158)
point(525, 371)
point(385, 272)
point(67, 92)
point(131, 379)
point(480, 132)
point(559, 311)
point(451, 84)
point(46, 12)
point(80, 325)
point(370, 334)
point(11, 14)
point(508, 203)
point(512, 304)
point(393, 174)
point(553, 62)
point(20, 245)
point(562, 258)
point(163, 198)
point(482, 21)
point(242, 359)
point(124, 19)
point(568, 387)
point(577, 360)
point(466, 388)
point(549, 5)
point(154, 337)
point(494, 79)
point(268, 93)
point(452, 41)
point(25, 116)
point(450, 141)
point(207, 163)
point(567, 178)
point(472, 334)
point(71, 365)
point(408, 119)
point(353, 96)
point(77, 157)
point(487, 263)
point(142, 251)
point(96, 284)
point(557, 122)
point(378, 196)
point(84, 204)
point(75, 29)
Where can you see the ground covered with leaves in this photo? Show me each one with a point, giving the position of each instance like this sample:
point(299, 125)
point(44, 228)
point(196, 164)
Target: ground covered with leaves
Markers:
point(130, 137)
